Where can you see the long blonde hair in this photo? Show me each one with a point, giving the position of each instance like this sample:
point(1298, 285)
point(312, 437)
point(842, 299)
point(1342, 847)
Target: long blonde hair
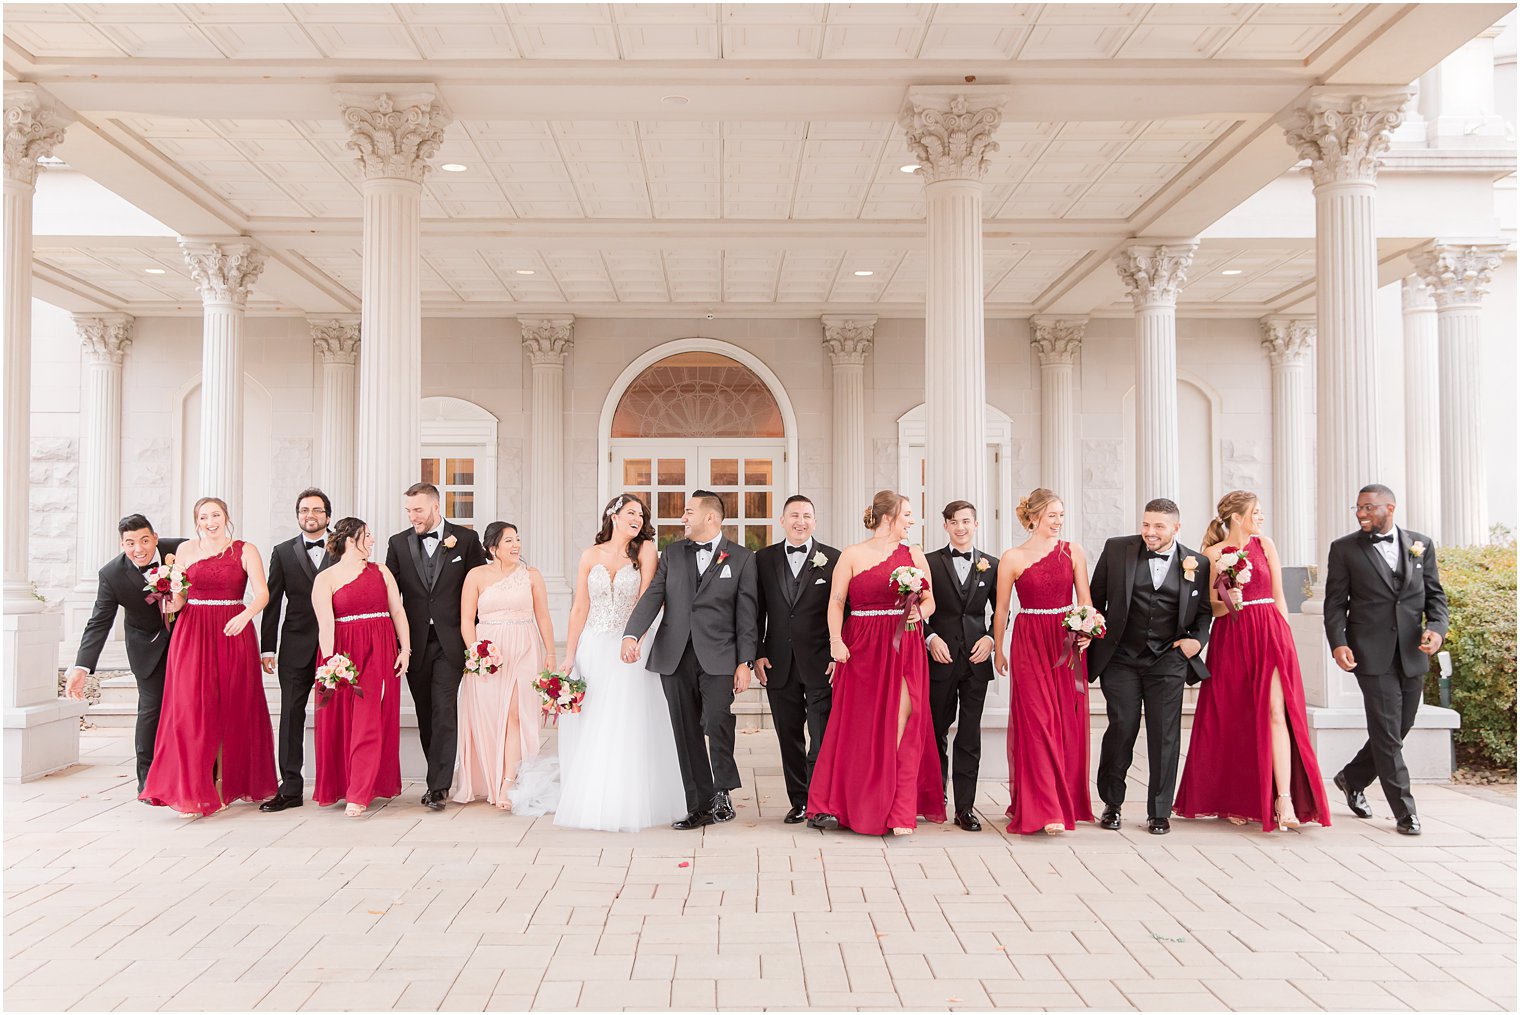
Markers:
point(1236, 502)
point(1030, 508)
point(195, 513)
point(886, 504)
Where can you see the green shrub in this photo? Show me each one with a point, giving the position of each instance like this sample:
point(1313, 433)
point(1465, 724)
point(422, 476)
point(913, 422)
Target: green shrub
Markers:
point(1480, 585)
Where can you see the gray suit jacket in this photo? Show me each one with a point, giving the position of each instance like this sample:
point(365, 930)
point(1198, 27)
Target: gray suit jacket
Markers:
point(717, 615)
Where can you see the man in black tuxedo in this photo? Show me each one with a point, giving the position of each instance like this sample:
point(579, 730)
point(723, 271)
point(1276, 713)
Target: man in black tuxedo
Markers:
point(1385, 615)
point(960, 653)
point(794, 582)
point(704, 652)
point(122, 586)
point(430, 560)
point(293, 566)
point(1154, 593)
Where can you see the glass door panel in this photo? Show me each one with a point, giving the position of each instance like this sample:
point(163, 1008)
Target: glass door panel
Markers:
point(452, 471)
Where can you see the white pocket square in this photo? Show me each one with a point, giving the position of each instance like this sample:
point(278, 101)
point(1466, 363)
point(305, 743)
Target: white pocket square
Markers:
point(725, 573)
point(981, 585)
point(821, 581)
point(1195, 592)
point(456, 560)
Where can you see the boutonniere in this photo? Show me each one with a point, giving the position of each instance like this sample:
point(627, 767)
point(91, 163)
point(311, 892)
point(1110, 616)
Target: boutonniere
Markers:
point(450, 542)
point(981, 564)
point(1189, 568)
point(722, 556)
point(1417, 549)
point(819, 560)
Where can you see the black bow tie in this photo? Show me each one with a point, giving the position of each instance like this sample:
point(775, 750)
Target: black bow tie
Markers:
point(698, 547)
point(1153, 555)
point(963, 556)
point(312, 545)
point(797, 549)
point(144, 569)
point(1380, 539)
point(428, 535)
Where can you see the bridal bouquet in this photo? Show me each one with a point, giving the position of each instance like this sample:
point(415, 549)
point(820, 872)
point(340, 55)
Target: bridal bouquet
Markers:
point(338, 671)
point(1079, 622)
point(163, 583)
point(482, 658)
point(559, 693)
point(909, 582)
point(1233, 572)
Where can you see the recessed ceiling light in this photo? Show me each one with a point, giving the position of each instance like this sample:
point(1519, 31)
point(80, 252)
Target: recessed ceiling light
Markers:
point(525, 271)
point(453, 167)
point(1231, 271)
point(908, 169)
point(863, 274)
point(675, 100)
point(153, 271)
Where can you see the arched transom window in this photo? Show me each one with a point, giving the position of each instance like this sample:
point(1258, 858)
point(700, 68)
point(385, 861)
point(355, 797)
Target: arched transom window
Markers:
point(697, 394)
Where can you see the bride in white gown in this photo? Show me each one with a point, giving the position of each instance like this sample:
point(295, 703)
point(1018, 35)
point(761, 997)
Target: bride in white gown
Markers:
point(617, 768)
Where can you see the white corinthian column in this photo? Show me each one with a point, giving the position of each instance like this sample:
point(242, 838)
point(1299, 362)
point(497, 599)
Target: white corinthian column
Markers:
point(848, 340)
point(949, 131)
point(1458, 276)
point(547, 341)
point(337, 343)
point(224, 271)
point(1056, 344)
point(1420, 501)
point(1343, 134)
point(1154, 274)
point(1288, 342)
point(393, 135)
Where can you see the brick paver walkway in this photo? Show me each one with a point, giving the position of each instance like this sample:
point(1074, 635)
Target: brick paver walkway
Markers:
point(110, 904)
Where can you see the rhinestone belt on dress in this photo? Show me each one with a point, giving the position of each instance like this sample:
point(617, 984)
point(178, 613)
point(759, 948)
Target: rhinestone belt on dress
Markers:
point(361, 616)
point(876, 613)
point(1259, 602)
point(1047, 613)
point(214, 602)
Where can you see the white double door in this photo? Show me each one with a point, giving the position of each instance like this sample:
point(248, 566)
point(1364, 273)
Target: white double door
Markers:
point(746, 473)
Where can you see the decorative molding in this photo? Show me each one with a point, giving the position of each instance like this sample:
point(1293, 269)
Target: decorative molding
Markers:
point(1458, 274)
point(336, 339)
point(393, 137)
point(1155, 273)
point(847, 339)
point(1344, 134)
point(547, 340)
point(33, 128)
point(1416, 294)
point(224, 270)
point(950, 138)
point(105, 338)
point(1287, 341)
point(1056, 341)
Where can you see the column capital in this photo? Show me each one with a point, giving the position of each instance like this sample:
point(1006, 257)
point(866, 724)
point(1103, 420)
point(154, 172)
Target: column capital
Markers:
point(1287, 341)
point(1056, 341)
point(336, 338)
point(1154, 273)
point(848, 339)
point(547, 340)
point(224, 270)
point(1458, 274)
point(1416, 294)
point(393, 130)
point(949, 129)
point(33, 128)
point(1343, 132)
point(105, 338)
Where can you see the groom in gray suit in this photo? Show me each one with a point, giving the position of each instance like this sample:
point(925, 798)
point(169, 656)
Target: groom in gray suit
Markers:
point(704, 651)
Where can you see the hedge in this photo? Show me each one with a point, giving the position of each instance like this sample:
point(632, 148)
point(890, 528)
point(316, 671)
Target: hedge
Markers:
point(1480, 585)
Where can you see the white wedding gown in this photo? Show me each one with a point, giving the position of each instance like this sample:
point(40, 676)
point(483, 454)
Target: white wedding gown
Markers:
point(617, 769)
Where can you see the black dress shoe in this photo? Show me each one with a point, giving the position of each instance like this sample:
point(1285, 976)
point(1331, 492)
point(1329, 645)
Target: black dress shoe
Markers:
point(1355, 798)
point(433, 799)
point(824, 822)
point(279, 803)
point(696, 819)
point(1158, 826)
point(1409, 825)
point(1110, 819)
point(968, 821)
point(796, 816)
point(722, 806)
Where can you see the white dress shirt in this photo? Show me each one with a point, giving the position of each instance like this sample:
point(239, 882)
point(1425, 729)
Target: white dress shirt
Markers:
point(432, 540)
point(705, 554)
point(796, 560)
point(1390, 551)
point(1160, 567)
point(962, 566)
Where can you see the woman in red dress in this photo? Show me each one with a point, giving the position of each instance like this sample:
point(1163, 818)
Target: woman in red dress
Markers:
point(359, 614)
point(1047, 720)
point(1249, 758)
point(878, 767)
point(215, 744)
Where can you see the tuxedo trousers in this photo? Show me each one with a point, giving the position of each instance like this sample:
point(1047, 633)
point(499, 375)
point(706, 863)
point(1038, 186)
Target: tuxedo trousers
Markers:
point(295, 694)
point(434, 683)
point(1160, 693)
point(800, 712)
point(150, 701)
point(702, 719)
point(1392, 701)
point(958, 701)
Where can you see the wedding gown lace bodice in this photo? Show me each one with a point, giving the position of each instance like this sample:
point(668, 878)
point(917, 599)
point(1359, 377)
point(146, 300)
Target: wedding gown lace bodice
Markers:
point(613, 597)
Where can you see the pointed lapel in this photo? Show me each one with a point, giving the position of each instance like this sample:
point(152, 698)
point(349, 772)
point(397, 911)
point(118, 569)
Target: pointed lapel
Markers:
point(304, 558)
point(439, 555)
point(792, 590)
point(1131, 562)
point(1184, 587)
point(1379, 564)
point(947, 562)
point(416, 548)
point(713, 567)
point(1406, 562)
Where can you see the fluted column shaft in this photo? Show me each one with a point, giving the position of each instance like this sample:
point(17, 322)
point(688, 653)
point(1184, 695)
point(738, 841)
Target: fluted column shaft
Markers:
point(337, 344)
point(1288, 343)
point(547, 341)
point(848, 341)
point(1420, 501)
point(1056, 345)
point(105, 340)
point(1459, 276)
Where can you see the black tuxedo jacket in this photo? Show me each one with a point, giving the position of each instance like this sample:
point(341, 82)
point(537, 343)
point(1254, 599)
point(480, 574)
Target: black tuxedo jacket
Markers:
point(439, 602)
point(1112, 581)
point(961, 612)
point(1378, 614)
point(716, 614)
point(291, 575)
point(121, 585)
point(794, 628)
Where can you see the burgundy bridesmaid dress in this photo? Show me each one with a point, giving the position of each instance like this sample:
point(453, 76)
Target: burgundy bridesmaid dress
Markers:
point(1047, 721)
point(358, 738)
point(215, 744)
point(864, 777)
point(1229, 758)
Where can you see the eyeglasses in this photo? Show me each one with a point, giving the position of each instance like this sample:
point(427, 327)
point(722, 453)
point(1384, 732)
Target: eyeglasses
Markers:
point(311, 511)
point(1367, 509)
